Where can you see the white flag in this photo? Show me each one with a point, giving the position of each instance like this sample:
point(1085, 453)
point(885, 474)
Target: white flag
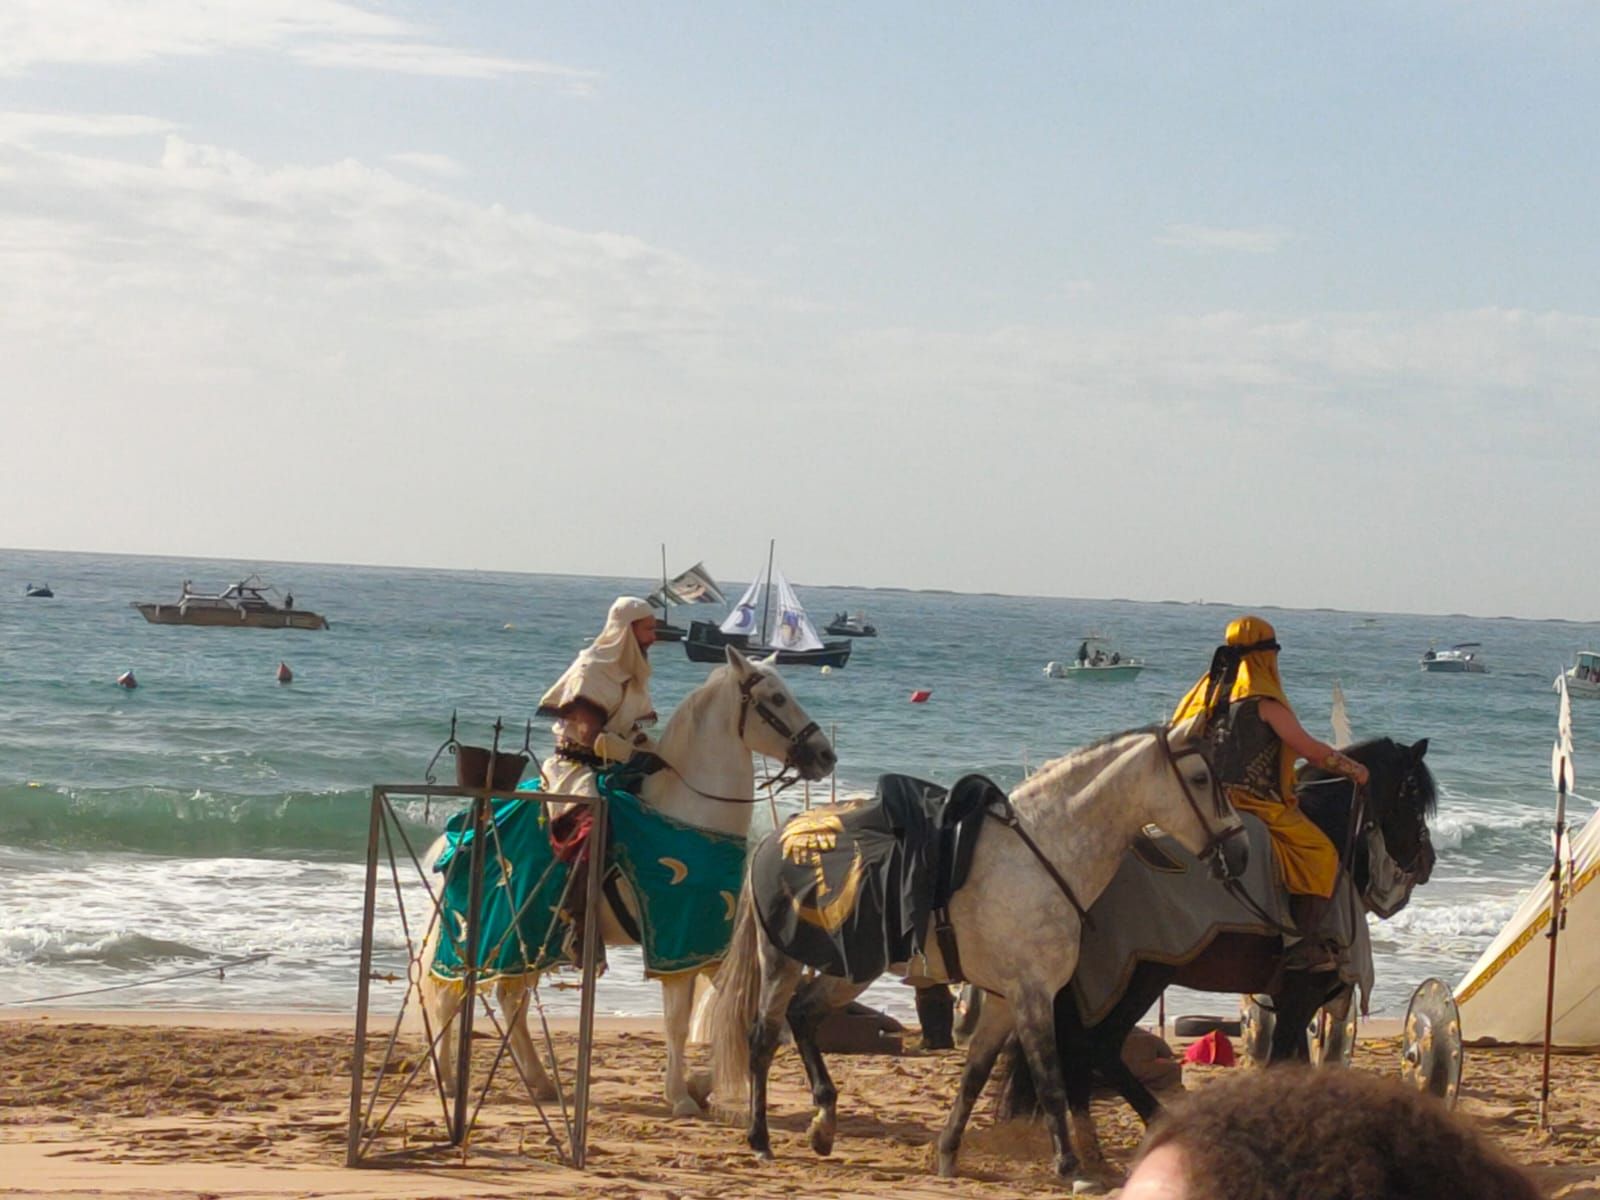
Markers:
point(1561, 774)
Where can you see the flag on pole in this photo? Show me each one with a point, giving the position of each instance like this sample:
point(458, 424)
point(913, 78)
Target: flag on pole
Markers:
point(1561, 775)
point(694, 586)
point(1341, 718)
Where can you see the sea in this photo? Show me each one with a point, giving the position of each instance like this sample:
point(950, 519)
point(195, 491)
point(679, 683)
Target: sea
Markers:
point(198, 843)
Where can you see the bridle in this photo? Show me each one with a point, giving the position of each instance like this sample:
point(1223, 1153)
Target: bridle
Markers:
point(1217, 835)
point(749, 702)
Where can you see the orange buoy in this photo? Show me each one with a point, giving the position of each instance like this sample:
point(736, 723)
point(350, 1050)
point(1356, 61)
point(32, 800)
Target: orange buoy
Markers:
point(920, 696)
point(284, 674)
point(126, 680)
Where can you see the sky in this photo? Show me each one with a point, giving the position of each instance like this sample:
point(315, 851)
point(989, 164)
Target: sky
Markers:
point(1274, 304)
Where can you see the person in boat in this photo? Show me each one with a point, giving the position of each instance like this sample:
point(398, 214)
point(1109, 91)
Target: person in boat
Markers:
point(1083, 653)
point(1254, 740)
point(602, 707)
point(288, 599)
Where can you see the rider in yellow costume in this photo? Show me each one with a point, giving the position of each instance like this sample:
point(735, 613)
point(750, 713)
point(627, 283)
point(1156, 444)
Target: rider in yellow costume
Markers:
point(1255, 739)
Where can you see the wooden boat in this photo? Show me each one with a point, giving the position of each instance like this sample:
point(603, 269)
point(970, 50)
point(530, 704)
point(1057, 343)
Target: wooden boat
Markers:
point(791, 636)
point(244, 604)
point(40, 591)
point(1583, 677)
point(1460, 659)
point(850, 625)
point(694, 586)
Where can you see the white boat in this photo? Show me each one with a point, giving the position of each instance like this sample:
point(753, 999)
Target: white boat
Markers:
point(1460, 659)
point(1096, 661)
point(1583, 677)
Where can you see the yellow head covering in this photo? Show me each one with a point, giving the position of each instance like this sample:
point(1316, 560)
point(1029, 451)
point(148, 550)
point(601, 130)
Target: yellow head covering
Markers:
point(1245, 666)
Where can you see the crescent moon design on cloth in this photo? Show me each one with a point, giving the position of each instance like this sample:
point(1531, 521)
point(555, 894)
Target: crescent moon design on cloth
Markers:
point(732, 902)
point(679, 871)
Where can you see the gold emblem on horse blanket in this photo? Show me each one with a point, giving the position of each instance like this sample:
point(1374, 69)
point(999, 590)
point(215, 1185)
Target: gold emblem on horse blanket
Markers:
point(810, 840)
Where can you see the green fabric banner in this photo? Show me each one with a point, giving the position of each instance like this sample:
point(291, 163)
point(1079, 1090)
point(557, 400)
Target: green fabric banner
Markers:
point(686, 882)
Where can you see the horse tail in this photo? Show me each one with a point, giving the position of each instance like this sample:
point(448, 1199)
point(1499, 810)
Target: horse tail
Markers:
point(733, 1006)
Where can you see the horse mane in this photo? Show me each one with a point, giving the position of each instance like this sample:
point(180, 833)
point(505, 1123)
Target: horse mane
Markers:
point(1372, 754)
point(1049, 773)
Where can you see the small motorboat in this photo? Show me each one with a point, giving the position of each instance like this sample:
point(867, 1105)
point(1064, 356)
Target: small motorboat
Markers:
point(1460, 659)
point(1583, 677)
point(1096, 661)
point(38, 591)
point(243, 605)
point(850, 625)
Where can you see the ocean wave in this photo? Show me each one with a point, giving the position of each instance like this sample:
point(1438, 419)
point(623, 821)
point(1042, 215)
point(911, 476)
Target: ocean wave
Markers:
point(197, 824)
point(1470, 919)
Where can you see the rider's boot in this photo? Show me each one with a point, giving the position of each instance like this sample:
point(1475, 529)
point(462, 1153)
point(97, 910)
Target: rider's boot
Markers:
point(1310, 952)
point(936, 1012)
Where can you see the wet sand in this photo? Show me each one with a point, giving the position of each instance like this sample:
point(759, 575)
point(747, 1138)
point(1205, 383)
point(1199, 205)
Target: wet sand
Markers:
point(246, 1105)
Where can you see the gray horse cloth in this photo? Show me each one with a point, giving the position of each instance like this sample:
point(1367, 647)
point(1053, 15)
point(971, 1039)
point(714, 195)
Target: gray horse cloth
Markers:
point(1164, 906)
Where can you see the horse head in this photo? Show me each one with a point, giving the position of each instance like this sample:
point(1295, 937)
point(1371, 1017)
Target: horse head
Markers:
point(772, 721)
point(1202, 819)
point(1401, 796)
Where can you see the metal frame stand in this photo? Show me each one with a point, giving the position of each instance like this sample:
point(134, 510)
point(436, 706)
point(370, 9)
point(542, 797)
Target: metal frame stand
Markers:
point(566, 1127)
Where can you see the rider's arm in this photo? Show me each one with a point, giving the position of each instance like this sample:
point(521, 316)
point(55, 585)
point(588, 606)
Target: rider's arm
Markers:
point(1313, 750)
point(581, 720)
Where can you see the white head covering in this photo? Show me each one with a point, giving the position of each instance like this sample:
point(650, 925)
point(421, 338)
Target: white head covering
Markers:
point(612, 672)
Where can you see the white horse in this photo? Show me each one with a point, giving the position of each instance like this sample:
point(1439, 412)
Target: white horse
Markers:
point(742, 709)
point(1016, 923)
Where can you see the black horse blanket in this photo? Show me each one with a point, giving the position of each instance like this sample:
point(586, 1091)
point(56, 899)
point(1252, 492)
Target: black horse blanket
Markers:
point(851, 888)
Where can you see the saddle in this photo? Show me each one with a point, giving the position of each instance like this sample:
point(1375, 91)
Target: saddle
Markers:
point(849, 889)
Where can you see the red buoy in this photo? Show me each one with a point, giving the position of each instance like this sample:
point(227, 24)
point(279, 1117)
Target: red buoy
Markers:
point(126, 680)
point(284, 674)
point(920, 696)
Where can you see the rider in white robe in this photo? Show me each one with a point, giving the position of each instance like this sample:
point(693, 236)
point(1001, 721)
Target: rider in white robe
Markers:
point(602, 707)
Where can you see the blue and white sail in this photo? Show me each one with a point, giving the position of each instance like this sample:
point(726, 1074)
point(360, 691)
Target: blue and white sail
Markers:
point(745, 616)
point(791, 628)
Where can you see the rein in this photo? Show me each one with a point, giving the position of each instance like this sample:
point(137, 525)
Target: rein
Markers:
point(1002, 812)
point(747, 703)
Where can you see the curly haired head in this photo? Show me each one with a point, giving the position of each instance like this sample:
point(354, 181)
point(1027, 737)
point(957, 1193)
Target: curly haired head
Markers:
point(1319, 1135)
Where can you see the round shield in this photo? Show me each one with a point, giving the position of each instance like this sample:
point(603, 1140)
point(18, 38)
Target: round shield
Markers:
point(1332, 1037)
point(1256, 1023)
point(1430, 1050)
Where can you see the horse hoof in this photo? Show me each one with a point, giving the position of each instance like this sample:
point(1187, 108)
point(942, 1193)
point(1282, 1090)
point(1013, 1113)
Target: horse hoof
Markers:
point(688, 1106)
point(699, 1085)
point(1088, 1186)
point(821, 1132)
point(947, 1166)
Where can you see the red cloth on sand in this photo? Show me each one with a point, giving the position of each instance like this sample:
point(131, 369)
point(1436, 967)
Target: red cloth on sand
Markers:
point(1214, 1049)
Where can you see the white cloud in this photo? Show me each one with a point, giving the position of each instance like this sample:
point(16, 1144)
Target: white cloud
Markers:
point(1258, 240)
point(30, 128)
point(328, 33)
point(441, 165)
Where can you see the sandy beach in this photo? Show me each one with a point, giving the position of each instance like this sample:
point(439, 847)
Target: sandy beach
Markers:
point(243, 1105)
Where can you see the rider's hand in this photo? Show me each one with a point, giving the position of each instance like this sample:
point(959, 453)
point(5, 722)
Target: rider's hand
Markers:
point(1360, 774)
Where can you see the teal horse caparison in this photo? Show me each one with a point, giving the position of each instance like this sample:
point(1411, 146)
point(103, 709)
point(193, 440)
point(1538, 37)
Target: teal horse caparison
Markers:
point(685, 882)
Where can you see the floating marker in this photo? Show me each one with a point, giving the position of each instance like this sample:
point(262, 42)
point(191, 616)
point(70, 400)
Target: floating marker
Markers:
point(126, 680)
point(920, 696)
point(508, 626)
point(284, 674)
point(827, 670)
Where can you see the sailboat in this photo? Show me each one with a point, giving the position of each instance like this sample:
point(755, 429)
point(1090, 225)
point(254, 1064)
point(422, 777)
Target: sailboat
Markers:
point(694, 586)
point(754, 628)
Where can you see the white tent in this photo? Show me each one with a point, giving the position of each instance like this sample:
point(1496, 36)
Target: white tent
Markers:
point(1502, 997)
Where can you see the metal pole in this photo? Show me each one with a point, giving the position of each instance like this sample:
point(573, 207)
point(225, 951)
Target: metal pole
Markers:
point(1161, 1015)
point(480, 813)
point(833, 779)
point(1554, 935)
point(358, 1059)
point(766, 593)
point(598, 835)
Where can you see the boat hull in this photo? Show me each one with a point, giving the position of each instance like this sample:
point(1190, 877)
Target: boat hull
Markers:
point(1119, 671)
point(667, 632)
point(1454, 666)
point(834, 629)
point(707, 643)
point(231, 618)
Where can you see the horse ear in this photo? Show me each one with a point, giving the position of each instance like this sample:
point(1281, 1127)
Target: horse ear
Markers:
point(737, 661)
point(1418, 749)
point(770, 660)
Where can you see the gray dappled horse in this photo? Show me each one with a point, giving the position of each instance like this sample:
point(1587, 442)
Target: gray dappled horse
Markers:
point(1399, 798)
point(1016, 921)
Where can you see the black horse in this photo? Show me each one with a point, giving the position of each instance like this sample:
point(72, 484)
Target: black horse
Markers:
point(1400, 798)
